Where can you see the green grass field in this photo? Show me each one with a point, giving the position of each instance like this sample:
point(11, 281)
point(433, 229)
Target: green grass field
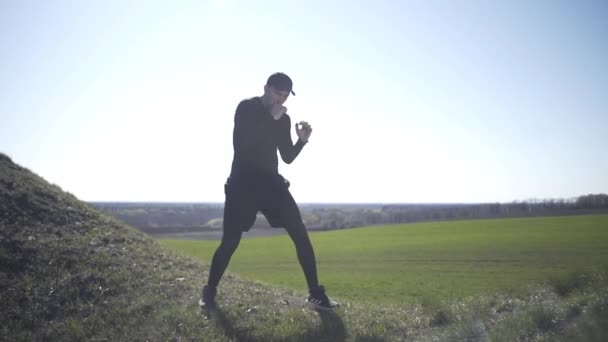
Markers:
point(440, 261)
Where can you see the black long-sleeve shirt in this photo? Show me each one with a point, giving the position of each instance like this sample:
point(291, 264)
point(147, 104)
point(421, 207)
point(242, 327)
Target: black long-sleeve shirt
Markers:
point(256, 137)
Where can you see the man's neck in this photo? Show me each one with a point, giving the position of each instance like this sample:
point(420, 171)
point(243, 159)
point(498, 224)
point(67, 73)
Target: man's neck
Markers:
point(265, 101)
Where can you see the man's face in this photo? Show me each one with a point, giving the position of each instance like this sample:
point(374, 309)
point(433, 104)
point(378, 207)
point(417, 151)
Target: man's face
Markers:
point(275, 95)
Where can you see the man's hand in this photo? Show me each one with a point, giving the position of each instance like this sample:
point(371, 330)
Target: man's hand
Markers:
point(277, 110)
point(303, 130)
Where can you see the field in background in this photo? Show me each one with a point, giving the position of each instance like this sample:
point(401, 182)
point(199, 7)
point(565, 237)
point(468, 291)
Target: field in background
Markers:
point(440, 261)
point(204, 221)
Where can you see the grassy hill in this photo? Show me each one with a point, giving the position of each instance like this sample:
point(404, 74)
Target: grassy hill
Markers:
point(70, 273)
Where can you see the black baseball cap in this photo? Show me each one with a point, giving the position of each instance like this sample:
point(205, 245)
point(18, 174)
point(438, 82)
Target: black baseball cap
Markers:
point(280, 81)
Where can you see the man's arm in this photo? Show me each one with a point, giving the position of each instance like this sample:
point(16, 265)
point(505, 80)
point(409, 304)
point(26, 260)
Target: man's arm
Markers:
point(288, 150)
point(247, 132)
point(248, 138)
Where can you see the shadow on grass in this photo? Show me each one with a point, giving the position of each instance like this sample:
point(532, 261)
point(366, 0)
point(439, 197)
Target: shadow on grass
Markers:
point(331, 329)
point(226, 325)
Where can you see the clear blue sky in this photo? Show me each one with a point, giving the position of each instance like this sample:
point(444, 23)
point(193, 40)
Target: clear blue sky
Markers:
point(410, 101)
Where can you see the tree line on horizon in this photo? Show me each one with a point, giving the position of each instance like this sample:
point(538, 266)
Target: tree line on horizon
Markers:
point(156, 218)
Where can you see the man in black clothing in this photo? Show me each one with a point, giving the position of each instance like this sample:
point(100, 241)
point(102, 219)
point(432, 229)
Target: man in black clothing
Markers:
point(261, 126)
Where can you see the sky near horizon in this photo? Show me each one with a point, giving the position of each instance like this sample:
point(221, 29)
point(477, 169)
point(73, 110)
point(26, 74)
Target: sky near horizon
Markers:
point(410, 101)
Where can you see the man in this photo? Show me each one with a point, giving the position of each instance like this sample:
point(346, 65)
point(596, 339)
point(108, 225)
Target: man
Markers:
point(261, 126)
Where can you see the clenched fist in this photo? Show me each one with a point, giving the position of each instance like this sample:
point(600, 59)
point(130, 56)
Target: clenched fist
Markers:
point(277, 110)
point(303, 130)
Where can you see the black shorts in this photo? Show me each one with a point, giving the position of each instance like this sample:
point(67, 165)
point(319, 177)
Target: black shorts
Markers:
point(271, 196)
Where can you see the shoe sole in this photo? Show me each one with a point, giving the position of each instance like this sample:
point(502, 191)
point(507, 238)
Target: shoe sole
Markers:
point(205, 305)
point(314, 306)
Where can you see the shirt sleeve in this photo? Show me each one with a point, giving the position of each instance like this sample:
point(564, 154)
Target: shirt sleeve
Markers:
point(288, 150)
point(247, 134)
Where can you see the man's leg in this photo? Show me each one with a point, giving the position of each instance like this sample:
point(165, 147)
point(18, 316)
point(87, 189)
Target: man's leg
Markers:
point(221, 258)
point(317, 299)
point(306, 255)
point(281, 210)
point(239, 215)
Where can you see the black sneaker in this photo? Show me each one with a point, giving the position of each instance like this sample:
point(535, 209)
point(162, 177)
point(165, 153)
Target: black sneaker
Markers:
point(318, 300)
point(207, 297)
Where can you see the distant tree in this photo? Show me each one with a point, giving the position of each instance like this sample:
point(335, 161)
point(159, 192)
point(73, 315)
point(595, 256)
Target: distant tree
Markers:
point(592, 201)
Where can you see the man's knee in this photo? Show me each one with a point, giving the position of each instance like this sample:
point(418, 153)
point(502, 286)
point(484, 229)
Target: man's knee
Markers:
point(230, 242)
point(297, 231)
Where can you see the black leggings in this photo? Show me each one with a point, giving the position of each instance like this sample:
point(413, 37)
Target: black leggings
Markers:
point(232, 238)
